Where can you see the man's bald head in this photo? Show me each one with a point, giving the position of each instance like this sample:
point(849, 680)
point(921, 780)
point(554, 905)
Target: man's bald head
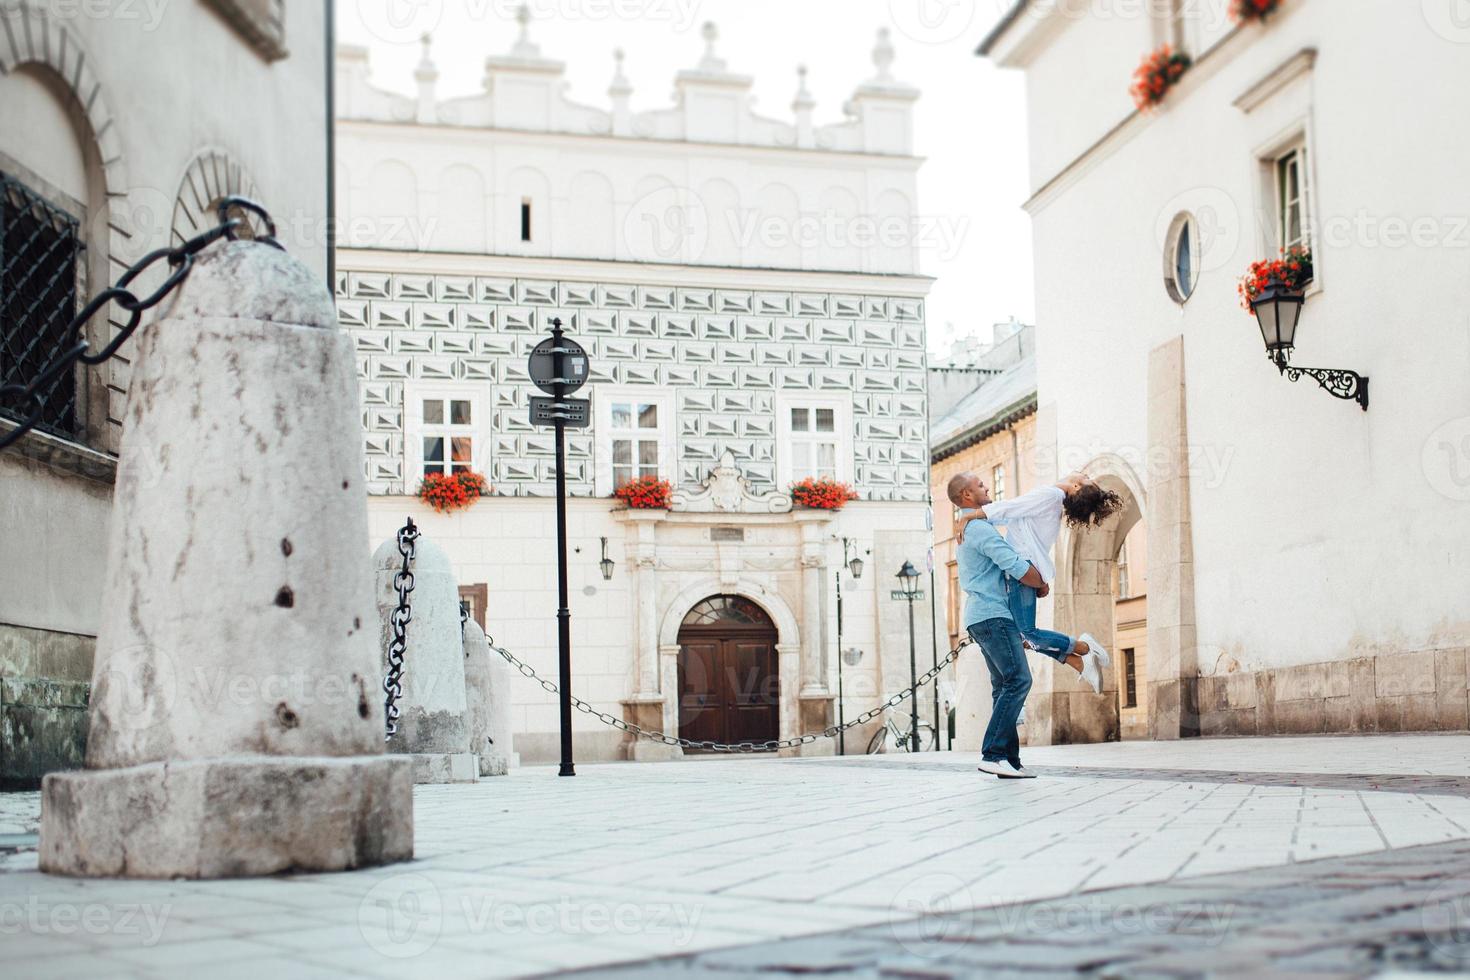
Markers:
point(966, 490)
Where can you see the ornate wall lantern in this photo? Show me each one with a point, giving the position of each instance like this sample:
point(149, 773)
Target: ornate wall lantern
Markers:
point(854, 564)
point(1278, 310)
point(606, 564)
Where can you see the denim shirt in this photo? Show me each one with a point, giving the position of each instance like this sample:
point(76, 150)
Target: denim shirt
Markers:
point(986, 560)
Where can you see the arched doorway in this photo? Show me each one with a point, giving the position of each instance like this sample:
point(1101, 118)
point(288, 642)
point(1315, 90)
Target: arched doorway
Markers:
point(729, 685)
point(1087, 599)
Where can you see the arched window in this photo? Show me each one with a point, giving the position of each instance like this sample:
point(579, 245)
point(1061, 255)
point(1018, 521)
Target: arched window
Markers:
point(726, 610)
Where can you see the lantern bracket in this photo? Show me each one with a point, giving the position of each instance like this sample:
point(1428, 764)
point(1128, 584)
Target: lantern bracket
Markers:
point(1337, 382)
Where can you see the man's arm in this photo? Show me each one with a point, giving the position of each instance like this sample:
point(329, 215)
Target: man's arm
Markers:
point(1008, 560)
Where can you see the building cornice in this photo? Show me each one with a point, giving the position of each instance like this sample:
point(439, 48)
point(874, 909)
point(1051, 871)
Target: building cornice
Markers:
point(1277, 79)
point(633, 273)
point(1205, 66)
point(978, 433)
point(414, 132)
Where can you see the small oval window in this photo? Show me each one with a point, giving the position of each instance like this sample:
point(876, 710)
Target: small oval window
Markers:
point(1181, 258)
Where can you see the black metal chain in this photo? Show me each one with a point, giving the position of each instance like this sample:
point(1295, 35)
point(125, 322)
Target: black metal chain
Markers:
point(401, 617)
point(180, 260)
point(766, 746)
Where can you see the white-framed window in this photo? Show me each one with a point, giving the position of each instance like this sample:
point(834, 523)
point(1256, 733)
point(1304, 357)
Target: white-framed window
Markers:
point(1293, 197)
point(635, 436)
point(446, 428)
point(814, 437)
point(998, 482)
point(1182, 258)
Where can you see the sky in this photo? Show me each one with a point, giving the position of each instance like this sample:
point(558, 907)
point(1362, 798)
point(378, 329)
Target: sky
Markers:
point(969, 122)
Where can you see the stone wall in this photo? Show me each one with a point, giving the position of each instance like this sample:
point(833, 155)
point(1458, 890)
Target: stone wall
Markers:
point(1403, 691)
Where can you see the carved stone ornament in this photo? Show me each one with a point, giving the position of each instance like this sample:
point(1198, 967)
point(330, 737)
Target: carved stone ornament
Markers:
point(725, 491)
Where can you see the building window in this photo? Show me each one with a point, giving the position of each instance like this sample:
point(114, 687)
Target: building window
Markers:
point(1292, 198)
point(40, 255)
point(998, 482)
point(445, 429)
point(814, 439)
point(525, 219)
point(1182, 258)
point(1130, 679)
point(473, 599)
point(1123, 589)
point(635, 439)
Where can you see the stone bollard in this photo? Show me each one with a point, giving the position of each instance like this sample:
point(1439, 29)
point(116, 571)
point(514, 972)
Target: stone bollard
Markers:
point(488, 684)
point(236, 726)
point(432, 724)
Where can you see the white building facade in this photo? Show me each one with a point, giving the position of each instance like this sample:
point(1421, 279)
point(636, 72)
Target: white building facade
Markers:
point(108, 152)
point(747, 290)
point(1306, 558)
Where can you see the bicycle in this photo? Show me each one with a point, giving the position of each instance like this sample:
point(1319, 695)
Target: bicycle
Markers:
point(890, 738)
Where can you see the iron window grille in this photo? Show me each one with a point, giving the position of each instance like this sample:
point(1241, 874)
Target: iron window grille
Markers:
point(40, 253)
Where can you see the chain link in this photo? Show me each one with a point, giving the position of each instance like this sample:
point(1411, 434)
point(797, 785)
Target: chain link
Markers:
point(766, 746)
point(402, 615)
point(180, 261)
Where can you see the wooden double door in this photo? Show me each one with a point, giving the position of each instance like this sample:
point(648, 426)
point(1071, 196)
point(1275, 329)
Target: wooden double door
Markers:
point(729, 685)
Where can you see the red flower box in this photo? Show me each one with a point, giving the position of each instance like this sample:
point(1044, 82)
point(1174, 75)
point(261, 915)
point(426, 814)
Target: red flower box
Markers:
point(1242, 11)
point(645, 493)
point(448, 493)
point(1160, 71)
point(1292, 271)
point(821, 494)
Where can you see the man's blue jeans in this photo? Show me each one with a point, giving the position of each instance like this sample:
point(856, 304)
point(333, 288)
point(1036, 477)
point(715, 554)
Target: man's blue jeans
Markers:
point(1022, 602)
point(1010, 680)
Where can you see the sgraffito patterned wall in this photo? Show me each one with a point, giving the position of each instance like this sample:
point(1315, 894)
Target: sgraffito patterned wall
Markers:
point(725, 355)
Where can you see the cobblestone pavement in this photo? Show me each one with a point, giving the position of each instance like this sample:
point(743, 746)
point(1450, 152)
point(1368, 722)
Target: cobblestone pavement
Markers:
point(1404, 910)
point(533, 874)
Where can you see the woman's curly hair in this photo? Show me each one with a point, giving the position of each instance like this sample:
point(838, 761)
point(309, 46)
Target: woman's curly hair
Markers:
point(1091, 505)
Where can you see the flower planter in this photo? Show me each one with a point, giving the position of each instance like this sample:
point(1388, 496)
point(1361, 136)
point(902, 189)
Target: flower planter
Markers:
point(450, 493)
point(1159, 72)
point(1245, 11)
point(1291, 273)
point(815, 494)
point(645, 493)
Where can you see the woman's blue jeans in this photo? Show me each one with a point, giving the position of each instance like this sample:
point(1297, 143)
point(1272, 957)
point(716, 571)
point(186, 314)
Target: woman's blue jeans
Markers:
point(1010, 680)
point(1022, 602)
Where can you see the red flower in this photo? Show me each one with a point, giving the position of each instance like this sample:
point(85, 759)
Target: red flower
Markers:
point(1158, 73)
point(645, 493)
point(1242, 11)
point(1293, 271)
point(447, 493)
point(821, 494)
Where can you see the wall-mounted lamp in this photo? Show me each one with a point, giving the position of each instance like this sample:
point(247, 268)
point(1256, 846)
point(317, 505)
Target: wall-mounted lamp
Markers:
point(1278, 310)
point(854, 564)
point(606, 564)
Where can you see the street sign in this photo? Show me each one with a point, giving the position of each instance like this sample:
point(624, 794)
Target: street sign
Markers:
point(574, 413)
point(901, 594)
point(543, 368)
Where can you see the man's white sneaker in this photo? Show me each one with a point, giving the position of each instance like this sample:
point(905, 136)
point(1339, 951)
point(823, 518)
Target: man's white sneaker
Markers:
point(1092, 672)
point(1001, 768)
point(1095, 647)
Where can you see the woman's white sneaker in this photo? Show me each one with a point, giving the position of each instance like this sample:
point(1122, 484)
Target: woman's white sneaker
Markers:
point(1001, 768)
point(1092, 672)
point(1095, 647)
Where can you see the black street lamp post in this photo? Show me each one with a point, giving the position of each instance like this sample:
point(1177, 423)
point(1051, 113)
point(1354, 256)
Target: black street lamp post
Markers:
point(855, 566)
point(908, 578)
